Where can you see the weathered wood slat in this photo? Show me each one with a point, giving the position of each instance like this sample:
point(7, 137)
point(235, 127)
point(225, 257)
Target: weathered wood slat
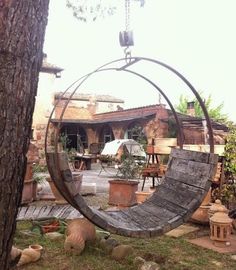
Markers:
point(111, 223)
point(123, 225)
point(184, 188)
point(36, 213)
point(197, 181)
point(59, 212)
point(56, 211)
point(189, 167)
point(129, 218)
point(164, 203)
point(74, 214)
point(152, 209)
point(194, 156)
point(45, 212)
point(179, 197)
point(164, 214)
point(66, 211)
point(30, 211)
point(56, 168)
point(137, 215)
point(21, 212)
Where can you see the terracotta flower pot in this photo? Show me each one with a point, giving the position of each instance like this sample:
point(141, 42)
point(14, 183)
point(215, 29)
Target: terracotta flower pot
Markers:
point(150, 149)
point(27, 193)
point(35, 190)
point(59, 199)
point(122, 192)
point(29, 171)
point(30, 254)
point(201, 215)
point(36, 247)
point(142, 196)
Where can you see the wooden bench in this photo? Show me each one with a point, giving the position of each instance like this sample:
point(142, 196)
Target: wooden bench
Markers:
point(187, 180)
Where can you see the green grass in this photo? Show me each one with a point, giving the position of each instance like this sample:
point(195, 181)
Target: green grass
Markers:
point(169, 253)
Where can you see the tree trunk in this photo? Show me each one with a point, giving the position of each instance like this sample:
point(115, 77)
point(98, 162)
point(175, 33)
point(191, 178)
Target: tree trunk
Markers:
point(22, 29)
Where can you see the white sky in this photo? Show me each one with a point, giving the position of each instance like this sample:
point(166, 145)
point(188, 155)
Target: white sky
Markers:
point(196, 37)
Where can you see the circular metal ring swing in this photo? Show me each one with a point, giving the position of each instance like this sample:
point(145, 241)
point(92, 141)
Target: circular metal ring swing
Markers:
point(161, 213)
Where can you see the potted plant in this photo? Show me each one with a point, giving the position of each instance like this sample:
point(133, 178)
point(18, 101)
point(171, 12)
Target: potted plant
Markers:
point(28, 188)
point(226, 194)
point(77, 177)
point(122, 189)
point(38, 178)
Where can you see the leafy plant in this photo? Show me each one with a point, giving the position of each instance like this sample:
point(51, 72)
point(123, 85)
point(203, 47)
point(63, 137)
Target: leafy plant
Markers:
point(37, 169)
point(71, 152)
point(90, 10)
point(214, 112)
point(172, 129)
point(128, 169)
point(230, 153)
point(64, 140)
point(137, 133)
point(226, 194)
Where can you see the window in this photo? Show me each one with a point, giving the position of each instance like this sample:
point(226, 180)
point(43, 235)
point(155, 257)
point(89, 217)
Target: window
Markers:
point(76, 137)
point(106, 134)
point(135, 132)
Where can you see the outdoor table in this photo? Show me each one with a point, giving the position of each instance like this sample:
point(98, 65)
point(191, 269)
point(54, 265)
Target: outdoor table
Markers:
point(83, 162)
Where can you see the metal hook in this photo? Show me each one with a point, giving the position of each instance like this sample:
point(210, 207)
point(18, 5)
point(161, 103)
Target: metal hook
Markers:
point(127, 52)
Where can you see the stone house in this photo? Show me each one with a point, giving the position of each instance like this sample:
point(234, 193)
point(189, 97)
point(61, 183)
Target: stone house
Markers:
point(91, 119)
point(44, 102)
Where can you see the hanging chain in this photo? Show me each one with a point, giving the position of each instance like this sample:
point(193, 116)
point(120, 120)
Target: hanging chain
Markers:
point(127, 50)
point(127, 15)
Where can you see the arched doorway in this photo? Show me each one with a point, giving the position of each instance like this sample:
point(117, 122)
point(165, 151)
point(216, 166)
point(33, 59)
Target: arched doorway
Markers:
point(136, 132)
point(76, 137)
point(106, 134)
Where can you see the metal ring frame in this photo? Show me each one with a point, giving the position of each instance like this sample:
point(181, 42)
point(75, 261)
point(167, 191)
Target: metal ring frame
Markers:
point(134, 60)
point(84, 209)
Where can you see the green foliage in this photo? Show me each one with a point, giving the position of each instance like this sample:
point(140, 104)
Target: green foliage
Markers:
point(71, 152)
point(226, 194)
point(64, 140)
point(214, 112)
point(128, 169)
point(168, 252)
point(37, 169)
point(182, 106)
point(90, 10)
point(172, 129)
point(45, 225)
point(230, 153)
point(38, 178)
point(139, 136)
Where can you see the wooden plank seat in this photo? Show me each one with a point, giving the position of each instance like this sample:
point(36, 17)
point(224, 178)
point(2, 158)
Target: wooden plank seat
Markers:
point(187, 180)
point(47, 211)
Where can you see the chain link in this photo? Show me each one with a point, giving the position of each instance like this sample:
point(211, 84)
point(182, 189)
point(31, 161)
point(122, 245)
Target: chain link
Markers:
point(127, 52)
point(126, 37)
point(127, 15)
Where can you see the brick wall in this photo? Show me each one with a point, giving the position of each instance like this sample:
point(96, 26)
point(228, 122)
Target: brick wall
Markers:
point(73, 112)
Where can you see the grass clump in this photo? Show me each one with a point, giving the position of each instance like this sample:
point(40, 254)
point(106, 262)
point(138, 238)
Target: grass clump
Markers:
point(169, 253)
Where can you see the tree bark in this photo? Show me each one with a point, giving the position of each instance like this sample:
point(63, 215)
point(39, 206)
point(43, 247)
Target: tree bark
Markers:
point(22, 29)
